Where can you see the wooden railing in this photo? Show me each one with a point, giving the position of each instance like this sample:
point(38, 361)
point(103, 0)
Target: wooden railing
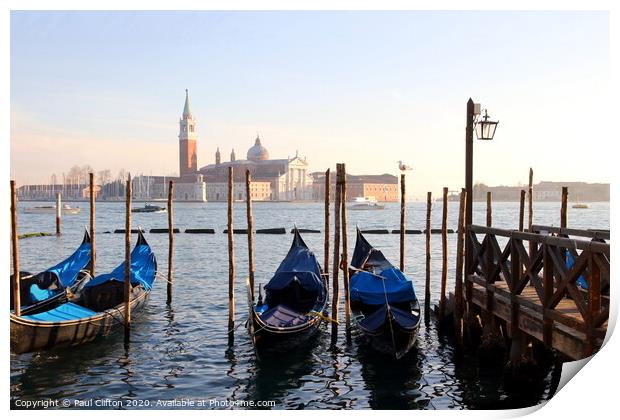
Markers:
point(542, 265)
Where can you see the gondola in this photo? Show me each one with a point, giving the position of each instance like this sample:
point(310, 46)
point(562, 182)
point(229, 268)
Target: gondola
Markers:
point(47, 289)
point(384, 306)
point(96, 311)
point(295, 299)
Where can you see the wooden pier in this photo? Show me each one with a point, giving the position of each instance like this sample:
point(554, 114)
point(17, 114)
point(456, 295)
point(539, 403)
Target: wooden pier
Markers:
point(532, 287)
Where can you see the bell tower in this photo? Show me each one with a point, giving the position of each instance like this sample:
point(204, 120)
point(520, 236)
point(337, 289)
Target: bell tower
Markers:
point(188, 164)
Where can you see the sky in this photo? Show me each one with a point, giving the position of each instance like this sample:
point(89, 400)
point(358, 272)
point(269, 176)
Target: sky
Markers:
point(365, 88)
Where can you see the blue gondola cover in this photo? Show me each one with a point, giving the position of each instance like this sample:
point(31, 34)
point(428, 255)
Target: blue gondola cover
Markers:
point(299, 265)
point(372, 290)
point(68, 270)
point(143, 268)
point(65, 312)
point(377, 320)
point(38, 295)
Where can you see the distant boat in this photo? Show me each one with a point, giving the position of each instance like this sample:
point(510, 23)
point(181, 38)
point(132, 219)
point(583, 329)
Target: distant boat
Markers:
point(66, 209)
point(581, 206)
point(366, 203)
point(148, 208)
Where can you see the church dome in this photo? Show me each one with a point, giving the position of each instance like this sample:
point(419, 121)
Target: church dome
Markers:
point(257, 152)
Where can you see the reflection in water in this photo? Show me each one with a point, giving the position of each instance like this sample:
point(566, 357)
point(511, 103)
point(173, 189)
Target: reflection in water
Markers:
point(393, 384)
point(275, 375)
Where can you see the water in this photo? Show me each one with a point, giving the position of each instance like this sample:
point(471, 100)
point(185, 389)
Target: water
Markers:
point(181, 351)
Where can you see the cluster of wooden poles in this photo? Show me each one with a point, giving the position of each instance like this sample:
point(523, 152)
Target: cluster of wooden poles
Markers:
point(127, 306)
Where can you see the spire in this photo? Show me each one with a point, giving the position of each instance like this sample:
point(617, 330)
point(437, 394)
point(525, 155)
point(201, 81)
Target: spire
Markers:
point(257, 141)
point(232, 156)
point(187, 112)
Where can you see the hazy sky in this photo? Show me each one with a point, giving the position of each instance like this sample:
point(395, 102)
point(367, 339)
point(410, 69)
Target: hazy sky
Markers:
point(365, 88)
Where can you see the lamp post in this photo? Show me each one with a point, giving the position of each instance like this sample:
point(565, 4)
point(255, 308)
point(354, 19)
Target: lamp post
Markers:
point(485, 130)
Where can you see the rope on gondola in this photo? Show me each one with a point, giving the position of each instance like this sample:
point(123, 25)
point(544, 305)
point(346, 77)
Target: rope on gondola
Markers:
point(389, 314)
point(322, 316)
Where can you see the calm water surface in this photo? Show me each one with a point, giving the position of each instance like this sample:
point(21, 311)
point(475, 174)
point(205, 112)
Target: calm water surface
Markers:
point(181, 351)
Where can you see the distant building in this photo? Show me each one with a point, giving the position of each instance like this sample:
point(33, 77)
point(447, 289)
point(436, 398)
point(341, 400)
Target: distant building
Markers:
point(383, 187)
point(288, 178)
point(259, 191)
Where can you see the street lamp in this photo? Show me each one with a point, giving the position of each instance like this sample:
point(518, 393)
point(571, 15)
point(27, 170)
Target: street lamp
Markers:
point(485, 130)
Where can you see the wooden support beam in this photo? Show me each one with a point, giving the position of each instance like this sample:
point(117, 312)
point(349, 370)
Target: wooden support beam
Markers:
point(231, 261)
point(530, 198)
point(345, 254)
point(489, 209)
point(170, 241)
point(427, 289)
point(336, 261)
point(563, 211)
point(402, 223)
point(327, 223)
point(15, 287)
point(521, 210)
point(58, 213)
point(250, 222)
point(458, 282)
point(128, 258)
point(93, 248)
point(444, 255)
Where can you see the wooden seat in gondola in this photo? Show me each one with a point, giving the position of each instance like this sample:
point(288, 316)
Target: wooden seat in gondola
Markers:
point(282, 316)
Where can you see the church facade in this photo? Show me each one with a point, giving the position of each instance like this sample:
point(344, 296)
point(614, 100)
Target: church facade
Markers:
point(288, 178)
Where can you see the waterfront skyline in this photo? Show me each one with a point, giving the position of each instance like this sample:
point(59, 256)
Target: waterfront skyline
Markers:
point(368, 89)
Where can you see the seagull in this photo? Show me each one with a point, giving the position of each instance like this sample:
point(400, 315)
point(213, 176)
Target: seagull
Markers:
point(403, 167)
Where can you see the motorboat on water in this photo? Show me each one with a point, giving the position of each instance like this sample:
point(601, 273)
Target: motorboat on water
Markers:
point(581, 206)
point(66, 209)
point(148, 208)
point(366, 203)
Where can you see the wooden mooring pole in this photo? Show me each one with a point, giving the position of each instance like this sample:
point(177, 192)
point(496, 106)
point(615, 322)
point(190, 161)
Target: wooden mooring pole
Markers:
point(563, 210)
point(170, 241)
point(427, 288)
point(93, 249)
point(248, 206)
point(15, 245)
point(521, 210)
point(326, 246)
point(489, 209)
point(128, 259)
point(444, 255)
point(530, 205)
point(402, 223)
point(231, 262)
point(345, 254)
point(458, 281)
point(336, 262)
point(58, 213)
